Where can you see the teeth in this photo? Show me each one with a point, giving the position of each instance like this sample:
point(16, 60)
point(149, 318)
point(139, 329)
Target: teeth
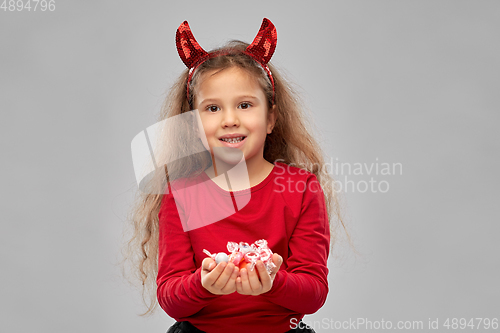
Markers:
point(233, 140)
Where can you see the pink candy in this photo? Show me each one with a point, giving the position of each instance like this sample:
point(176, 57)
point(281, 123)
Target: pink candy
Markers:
point(243, 252)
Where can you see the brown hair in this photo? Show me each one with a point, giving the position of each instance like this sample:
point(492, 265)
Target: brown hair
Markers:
point(290, 142)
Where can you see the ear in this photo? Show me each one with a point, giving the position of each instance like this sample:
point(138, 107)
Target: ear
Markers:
point(271, 119)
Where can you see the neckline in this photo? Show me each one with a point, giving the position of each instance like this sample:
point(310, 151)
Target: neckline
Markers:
point(244, 191)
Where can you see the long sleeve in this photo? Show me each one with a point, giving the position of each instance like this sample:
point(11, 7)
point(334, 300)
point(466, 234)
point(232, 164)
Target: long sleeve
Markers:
point(303, 286)
point(293, 221)
point(180, 292)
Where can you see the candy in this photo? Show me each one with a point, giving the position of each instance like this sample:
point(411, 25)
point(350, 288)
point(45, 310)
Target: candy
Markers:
point(232, 246)
point(221, 257)
point(249, 266)
point(244, 247)
point(236, 258)
point(246, 256)
point(252, 256)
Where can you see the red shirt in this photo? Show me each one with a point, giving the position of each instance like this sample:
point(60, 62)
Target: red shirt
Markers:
point(287, 209)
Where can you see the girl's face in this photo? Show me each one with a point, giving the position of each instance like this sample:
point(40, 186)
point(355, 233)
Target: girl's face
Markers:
point(232, 102)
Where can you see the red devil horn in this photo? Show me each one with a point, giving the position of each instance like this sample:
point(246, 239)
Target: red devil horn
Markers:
point(189, 49)
point(264, 44)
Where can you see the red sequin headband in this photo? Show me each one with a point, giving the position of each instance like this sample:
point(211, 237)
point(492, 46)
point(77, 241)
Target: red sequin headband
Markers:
point(192, 55)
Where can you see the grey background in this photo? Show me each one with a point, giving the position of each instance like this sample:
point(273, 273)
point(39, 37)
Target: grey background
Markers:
point(410, 82)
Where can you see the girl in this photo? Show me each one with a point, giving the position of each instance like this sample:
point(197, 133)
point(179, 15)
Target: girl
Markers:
point(243, 111)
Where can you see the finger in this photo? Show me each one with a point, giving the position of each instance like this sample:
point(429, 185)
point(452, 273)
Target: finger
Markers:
point(224, 276)
point(277, 260)
point(245, 283)
point(213, 276)
point(239, 286)
point(231, 283)
point(273, 273)
point(208, 264)
point(265, 279)
point(254, 280)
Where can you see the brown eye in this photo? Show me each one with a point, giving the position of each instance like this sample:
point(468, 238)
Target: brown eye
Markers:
point(245, 105)
point(212, 108)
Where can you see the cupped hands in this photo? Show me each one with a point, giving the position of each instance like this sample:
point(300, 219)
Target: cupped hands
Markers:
point(226, 278)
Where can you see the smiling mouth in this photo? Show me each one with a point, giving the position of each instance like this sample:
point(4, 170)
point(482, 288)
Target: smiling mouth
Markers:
point(233, 140)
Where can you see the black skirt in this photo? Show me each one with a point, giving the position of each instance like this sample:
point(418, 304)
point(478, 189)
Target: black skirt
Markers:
point(187, 327)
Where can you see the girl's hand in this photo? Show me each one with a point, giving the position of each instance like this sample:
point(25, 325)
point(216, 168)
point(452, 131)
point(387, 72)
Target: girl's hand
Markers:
point(248, 283)
point(220, 280)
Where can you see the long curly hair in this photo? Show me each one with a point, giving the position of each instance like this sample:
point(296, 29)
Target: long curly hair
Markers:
point(290, 142)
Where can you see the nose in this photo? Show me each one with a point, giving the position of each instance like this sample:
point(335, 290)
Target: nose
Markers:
point(230, 118)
